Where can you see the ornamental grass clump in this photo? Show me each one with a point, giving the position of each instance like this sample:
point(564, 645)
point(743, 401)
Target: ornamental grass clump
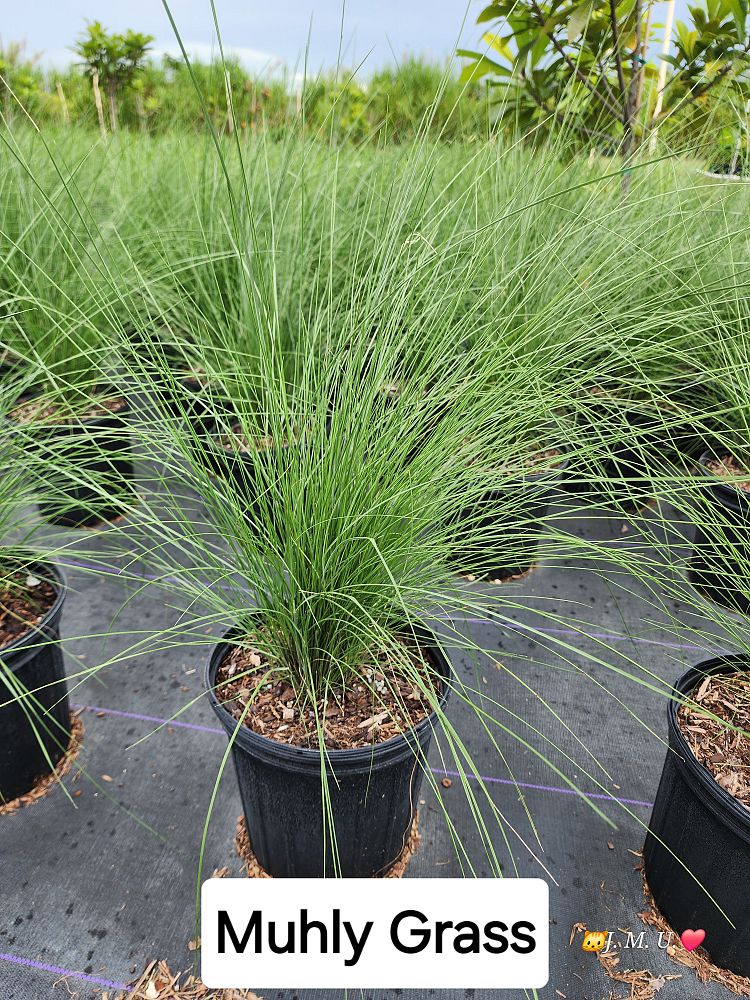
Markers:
point(34, 717)
point(399, 402)
point(61, 331)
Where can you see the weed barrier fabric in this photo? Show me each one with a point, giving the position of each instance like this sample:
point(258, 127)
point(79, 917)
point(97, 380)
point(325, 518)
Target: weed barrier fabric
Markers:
point(92, 893)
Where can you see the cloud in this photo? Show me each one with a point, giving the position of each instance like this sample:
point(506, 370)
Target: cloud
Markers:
point(253, 60)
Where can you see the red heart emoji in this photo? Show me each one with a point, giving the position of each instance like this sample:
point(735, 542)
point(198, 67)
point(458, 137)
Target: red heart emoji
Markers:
point(691, 939)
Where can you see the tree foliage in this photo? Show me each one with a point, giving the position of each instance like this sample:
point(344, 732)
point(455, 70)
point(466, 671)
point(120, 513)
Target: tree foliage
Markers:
point(114, 59)
point(589, 62)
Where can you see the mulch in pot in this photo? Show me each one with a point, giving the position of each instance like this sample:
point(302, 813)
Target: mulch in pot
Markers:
point(724, 752)
point(378, 704)
point(38, 409)
point(24, 602)
point(236, 441)
point(729, 468)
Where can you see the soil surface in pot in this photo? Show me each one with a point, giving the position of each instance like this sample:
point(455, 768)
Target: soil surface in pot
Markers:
point(34, 410)
point(535, 461)
point(24, 601)
point(724, 752)
point(549, 458)
point(238, 441)
point(727, 467)
point(378, 704)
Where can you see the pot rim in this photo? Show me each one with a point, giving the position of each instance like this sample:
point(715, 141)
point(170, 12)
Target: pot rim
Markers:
point(729, 808)
point(392, 749)
point(742, 178)
point(21, 642)
point(548, 474)
point(51, 426)
point(738, 498)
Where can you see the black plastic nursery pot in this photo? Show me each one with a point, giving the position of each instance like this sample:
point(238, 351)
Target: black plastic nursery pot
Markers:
point(373, 791)
point(626, 467)
point(98, 450)
point(643, 446)
point(245, 469)
point(513, 543)
point(188, 399)
point(34, 731)
point(719, 565)
point(699, 836)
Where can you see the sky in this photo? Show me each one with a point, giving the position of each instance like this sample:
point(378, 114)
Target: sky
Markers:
point(265, 34)
point(262, 32)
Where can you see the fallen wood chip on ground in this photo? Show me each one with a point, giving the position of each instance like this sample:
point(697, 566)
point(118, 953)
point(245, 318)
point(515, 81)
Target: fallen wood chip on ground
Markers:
point(158, 982)
point(698, 961)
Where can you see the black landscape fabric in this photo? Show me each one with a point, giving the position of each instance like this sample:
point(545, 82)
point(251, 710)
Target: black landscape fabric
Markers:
point(94, 890)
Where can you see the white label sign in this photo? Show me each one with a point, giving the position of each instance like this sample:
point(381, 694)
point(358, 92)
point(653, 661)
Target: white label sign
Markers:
point(375, 933)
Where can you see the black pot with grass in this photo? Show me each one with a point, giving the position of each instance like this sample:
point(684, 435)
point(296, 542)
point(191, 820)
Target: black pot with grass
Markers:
point(509, 521)
point(90, 469)
point(719, 565)
point(373, 790)
point(34, 712)
point(251, 467)
point(638, 441)
point(188, 400)
point(697, 851)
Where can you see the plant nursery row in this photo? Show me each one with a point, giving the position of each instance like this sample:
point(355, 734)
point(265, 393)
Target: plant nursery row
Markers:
point(313, 410)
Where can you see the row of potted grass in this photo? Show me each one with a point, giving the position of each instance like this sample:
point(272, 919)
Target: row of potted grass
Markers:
point(371, 385)
point(252, 512)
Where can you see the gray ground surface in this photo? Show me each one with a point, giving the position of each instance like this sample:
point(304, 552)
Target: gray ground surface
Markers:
point(101, 888)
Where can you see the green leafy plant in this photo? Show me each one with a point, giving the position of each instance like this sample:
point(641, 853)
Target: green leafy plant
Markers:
point(586, 64)
point(114, 59)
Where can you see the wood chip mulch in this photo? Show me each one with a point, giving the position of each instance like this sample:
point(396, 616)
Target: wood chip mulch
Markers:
point(382, 702)
point(24, 602)
point(724, 752)
point(47, 783)
point(158, 982)
point(727, 467)
point(252, 869)
point(40, 409)
point(545, 460)
point(697, 961)
point(237, 441)
point(644, 985)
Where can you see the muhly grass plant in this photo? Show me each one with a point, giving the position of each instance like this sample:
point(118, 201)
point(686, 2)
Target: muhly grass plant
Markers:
point(61, 319)
point(332, 546)
point(394, 332)
point(411, 391)
point(30, 588)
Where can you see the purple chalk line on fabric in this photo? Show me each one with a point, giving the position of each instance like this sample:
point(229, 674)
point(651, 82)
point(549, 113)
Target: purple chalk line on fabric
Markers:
point(148, 718)
point(29, 963)
point(546, 788)
point(439, 771)
point(605, 636)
